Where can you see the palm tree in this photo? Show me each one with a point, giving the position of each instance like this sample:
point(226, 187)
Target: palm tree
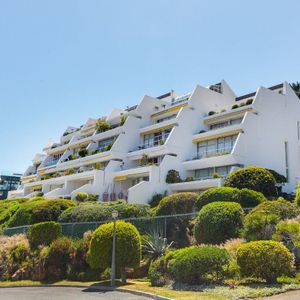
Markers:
point(296, 87)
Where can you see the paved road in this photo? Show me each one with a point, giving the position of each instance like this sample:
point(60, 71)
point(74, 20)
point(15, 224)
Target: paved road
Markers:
point(62, 293)
point(293, 295)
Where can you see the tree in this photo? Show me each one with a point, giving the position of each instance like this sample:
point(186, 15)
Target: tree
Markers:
point(128, 247)
point(296, 87)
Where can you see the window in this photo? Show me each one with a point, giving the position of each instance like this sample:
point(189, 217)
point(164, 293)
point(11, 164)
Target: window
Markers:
point(202, 174)
point(214, 147)
point(158, 138)
point(286, 161)
point(57, 156)
point(166, 118)
point(139, 179)
point(226, 123)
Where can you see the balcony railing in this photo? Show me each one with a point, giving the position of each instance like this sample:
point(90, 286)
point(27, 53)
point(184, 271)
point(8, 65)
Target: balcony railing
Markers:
point(149, 145)
point(50, 163)
point(213, 152)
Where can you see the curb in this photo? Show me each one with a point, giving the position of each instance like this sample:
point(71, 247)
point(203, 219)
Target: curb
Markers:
point(100, 288)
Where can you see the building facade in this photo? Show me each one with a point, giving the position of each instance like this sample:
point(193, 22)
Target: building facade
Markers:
point(204, 135)
point(9, 181)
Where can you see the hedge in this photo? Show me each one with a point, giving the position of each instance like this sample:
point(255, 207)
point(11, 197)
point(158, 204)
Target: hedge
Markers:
point(260, 222)
point(101, 211)
point(254, 178)
point(194, 265)
point(245, 197)
point(218, 222)
point(178, 203)
point(128, 250)
point(44, 233)
point(265, 260)
point(36, 211)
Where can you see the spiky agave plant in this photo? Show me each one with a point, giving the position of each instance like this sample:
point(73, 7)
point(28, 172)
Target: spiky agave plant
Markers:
point(155, 244)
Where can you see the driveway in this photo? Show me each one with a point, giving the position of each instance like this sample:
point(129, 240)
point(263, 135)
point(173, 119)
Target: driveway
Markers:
point(63, 293)
point(293, 295)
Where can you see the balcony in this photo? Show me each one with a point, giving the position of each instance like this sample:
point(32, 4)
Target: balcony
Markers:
point(196, 185)
point(213, 158)
point(57, 179)
point(213, 152)
point(240, 111)
point(152, 149)
point(159, 126)
point(86, 139)
point(218, 132)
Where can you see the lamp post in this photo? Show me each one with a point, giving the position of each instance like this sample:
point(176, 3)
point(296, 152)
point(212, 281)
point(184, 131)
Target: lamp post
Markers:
point(113, 258)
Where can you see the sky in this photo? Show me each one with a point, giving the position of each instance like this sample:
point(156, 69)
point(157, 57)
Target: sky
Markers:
point(64, 61)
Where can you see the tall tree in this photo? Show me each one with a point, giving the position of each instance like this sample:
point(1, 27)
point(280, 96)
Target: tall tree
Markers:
point(296, 87)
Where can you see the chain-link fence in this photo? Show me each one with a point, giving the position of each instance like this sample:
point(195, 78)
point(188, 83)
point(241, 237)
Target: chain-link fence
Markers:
point(144, 225)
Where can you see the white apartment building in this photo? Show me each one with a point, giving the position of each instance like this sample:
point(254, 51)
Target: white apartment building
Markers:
point(210, 130)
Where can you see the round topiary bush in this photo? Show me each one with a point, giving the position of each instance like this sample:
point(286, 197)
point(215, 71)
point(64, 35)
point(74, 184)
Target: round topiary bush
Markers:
point(178, 203)
point(247, 198)
point(44, 233)
point(218, 222)
point(193, 265)
point(254, 178)
point(173, 177)
point(128, 247)
point(264, 259)
point(260, 222)
point(81, 196)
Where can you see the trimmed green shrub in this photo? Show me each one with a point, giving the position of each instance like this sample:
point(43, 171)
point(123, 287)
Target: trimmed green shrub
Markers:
point(297, 198)
point(50, 210)
point(245, 197)
point(81, 196)
point(101, 211)
point(278, 177)
point(218, 221)
point(44, 233)
point(178, 203)
point(155, 200)
point(261, 221)
point(254, 178)
point(264, 259)
point(156, 272)
point(194, 265)
point(37, 210)
point(173, 177)
point(178, 228)
point(128, 250)
point(8, 208)
point(83, 152)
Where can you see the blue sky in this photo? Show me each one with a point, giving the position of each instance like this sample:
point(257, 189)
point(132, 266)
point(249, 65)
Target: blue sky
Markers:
point(64, 61)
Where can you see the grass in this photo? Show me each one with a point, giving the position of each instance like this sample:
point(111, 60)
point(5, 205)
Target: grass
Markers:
point(212, 292)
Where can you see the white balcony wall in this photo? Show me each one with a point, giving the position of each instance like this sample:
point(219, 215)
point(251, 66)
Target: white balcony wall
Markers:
point(56, 193)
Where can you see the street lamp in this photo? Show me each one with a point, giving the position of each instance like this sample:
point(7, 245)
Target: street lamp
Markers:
point(113, 258)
